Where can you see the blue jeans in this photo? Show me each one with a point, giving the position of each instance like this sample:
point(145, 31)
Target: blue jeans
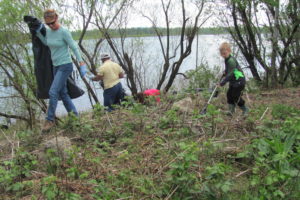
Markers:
point(58, 90)
point(112, 96)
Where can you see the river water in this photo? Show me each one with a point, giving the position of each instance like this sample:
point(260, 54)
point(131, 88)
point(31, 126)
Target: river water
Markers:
point(149, 50)
point(207, 53)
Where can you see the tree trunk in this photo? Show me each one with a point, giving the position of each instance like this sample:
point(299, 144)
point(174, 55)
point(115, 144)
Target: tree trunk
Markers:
point(253, 69)
point(130, 75)
point(275, 48)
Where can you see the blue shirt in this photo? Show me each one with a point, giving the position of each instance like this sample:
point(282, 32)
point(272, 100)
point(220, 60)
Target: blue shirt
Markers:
point(60, 41)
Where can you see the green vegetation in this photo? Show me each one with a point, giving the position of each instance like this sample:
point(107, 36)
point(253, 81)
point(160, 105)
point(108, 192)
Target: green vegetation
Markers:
point(202, 76)
point(156, 152)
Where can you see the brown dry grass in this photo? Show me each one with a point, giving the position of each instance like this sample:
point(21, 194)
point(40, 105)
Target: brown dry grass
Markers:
point(129, 145)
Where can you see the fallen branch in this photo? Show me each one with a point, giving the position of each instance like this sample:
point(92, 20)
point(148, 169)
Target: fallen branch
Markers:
point(248, 98)
point(170, 195)
point(10, 97)
point(242, 173)
point(225, 132)
point(264, 114)
point(12, 143)
point(124, 198)
point(229, 140)
point(13, 116)
point(108, 119)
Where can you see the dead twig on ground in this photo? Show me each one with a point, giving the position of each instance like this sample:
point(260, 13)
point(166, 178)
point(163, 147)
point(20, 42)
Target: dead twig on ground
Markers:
point(170, 195)
point(108, 119)
point(264, 114)
point(124, 198)
point(230, 140)
point(12, 142)
point(225, 132)
point(249, 101)
point(242, 173)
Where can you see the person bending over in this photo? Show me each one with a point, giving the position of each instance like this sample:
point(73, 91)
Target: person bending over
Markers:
point(110, 72)
point(141, 97)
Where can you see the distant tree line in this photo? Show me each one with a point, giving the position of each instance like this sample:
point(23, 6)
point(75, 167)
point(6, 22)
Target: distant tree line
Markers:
point(145, 31)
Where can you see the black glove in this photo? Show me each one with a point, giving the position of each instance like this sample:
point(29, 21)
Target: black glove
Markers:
point(223, 75)
point(34, 24)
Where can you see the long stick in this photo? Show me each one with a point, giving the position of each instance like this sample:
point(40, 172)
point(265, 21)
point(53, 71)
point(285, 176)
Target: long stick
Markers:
point(210, 98)
point(212, 94)
point(264, 114)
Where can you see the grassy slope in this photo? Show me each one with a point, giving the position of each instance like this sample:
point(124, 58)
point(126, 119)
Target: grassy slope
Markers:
point(152, 153)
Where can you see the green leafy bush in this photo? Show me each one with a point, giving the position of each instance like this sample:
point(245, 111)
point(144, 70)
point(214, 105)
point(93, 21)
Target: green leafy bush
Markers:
point(276, 174)
point(281, 111)
point(181, 178)
point(202, 77)
point(13, 173)
point(216, 185)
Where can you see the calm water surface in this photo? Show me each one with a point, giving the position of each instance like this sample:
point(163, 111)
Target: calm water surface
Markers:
point(149, 50)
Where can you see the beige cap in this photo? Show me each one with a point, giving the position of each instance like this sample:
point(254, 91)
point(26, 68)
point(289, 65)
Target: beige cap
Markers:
point(104, 56)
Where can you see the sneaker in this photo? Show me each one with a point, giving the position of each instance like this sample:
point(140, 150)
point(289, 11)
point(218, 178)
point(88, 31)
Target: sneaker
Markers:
point(47, 125)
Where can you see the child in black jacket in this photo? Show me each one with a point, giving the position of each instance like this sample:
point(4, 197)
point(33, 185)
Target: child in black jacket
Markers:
point(236, 78)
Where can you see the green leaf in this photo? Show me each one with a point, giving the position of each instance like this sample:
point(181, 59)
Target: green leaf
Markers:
point(279, 193)
point(226, 186)
point(269, 180)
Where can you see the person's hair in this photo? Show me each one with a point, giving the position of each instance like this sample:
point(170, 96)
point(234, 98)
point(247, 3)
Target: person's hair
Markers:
point(50, 14)
point(225, 45)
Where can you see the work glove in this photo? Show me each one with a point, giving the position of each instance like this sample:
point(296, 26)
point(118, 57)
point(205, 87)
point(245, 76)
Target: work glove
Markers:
point(82, 70)
point(222, 83)
point(90, 76)
point(224, 74)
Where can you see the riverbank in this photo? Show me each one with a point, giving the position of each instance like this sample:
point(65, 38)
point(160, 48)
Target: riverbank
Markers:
point(160, 152)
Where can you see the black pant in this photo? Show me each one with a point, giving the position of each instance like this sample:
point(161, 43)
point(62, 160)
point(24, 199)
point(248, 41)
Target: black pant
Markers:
point(234, 95)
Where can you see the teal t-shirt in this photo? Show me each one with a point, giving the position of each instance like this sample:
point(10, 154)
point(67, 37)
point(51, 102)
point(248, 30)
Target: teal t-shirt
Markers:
point(59, 42)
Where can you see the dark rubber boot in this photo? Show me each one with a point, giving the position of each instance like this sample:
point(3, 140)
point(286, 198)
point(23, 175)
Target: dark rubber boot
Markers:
point(245, 110)
point(231, 110)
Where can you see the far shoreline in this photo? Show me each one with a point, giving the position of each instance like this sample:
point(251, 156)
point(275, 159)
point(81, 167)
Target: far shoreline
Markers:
point(146, 32)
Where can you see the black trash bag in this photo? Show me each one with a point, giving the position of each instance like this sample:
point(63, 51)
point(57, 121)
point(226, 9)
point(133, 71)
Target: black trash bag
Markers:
point(43, 66)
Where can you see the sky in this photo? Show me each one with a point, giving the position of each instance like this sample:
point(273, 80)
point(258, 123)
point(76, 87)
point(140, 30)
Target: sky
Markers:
point(153, 9)
point(212, 9)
